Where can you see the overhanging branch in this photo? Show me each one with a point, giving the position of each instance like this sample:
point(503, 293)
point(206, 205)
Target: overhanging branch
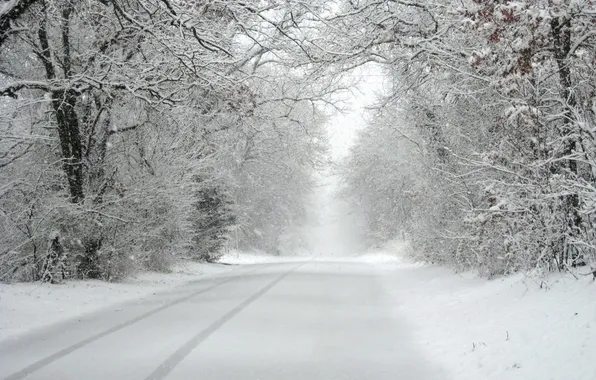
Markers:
point(10, 12)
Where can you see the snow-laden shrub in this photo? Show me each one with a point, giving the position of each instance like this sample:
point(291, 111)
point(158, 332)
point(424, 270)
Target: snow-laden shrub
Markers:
point(211, 219)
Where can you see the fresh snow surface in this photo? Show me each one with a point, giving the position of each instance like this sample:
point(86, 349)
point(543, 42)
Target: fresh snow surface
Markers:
point(380, 257)
point(386, 261)
point(518, 327)
point(310, 320)
point(248, 258)
point(28, 306)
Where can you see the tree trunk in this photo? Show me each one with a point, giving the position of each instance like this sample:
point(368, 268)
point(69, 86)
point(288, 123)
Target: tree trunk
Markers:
point(63, 103)
point(561, 32)
point(12, 13)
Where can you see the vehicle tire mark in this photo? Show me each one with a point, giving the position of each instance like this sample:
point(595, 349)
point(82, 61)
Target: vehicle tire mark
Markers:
point(21, 374)
point(176, 358)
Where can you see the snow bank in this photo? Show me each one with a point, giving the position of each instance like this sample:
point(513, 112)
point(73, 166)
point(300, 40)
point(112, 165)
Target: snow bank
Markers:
point(512, 328)
point(390, 261)
point(248, 258)
point(27, 306)
point(394, 255)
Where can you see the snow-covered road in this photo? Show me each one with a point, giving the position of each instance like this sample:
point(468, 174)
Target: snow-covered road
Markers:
point(299, 320)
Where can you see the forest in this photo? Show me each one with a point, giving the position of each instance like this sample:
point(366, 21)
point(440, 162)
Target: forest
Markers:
point(135, 132)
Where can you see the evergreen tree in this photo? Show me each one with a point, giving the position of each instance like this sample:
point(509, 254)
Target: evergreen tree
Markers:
point(212, 218)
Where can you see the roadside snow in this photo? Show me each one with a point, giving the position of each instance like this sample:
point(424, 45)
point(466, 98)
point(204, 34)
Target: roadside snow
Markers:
point(373, 257)
point(389, 261)
point(392, 255)
point(28, 306)
point(245, 258)
point(512, 328)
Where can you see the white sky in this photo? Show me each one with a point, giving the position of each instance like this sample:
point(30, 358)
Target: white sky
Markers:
point(342, 128)
point(333, 228)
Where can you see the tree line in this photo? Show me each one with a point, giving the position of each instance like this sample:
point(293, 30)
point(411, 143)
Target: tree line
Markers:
point(136, 131)
point(483, 152)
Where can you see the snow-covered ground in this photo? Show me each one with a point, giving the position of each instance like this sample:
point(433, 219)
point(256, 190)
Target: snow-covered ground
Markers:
point(248, 258)
point(518, 327)
point(28, 306)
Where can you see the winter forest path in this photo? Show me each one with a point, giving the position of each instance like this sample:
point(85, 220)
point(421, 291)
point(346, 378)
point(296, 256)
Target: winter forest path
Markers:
point(311, 320)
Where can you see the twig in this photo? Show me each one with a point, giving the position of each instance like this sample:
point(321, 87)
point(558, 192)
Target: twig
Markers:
point(108, 216)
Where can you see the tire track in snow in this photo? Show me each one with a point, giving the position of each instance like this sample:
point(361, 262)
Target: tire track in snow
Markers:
point(177, 357)
point(21, 374)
